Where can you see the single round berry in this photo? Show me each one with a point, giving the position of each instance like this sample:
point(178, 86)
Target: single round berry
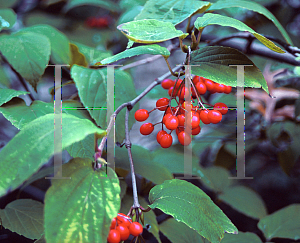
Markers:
point(171, 123)
point(221, 107)
point(170, 91)
point(159, 135)
point(123, 219)
point(210, 85)
point(136, 229)
point(166, 116)
point(141, 115)
point(184, 138)
point(201, 88)
point(220, 88)
point(196, 130)
point(181, 119)
point(124, 231)
point(114, 236)
point(113, 223)
point(214, 116)
point(146, 128)
point(167, 83)
point(166, 141)
point(227, 89)
point(162, 104)
point(203, 117)
point(195, 120)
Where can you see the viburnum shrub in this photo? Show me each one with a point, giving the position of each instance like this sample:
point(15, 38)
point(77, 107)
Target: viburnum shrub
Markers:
point(72, 157)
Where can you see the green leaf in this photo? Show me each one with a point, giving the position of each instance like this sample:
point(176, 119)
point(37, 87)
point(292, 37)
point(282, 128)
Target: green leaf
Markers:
point(251, 5)
point(34, 145)
point(7, 18)
point(180, 233)
point(241, 237)
point(284, 223)
point(84, 148)
point(7, 94)
point(60, 50)
point(245, 201)
point(190, 205)
point(19, 114)
point(214, 64)
point(209, 19)
point(216, 178)
point(82, 208)
point(25, 217)
point(150, 31)
point(91, 54)
point(129, 15)
point(29, 56)
point(149, 217)
point(109, 5)
point(140, 50)
point(91, 85)
point(173, 11)
point(144, 164)
point(4, 78)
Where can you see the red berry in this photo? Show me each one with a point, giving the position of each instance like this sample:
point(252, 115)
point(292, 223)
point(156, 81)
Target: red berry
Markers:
point(166, 141)
point(171, 123)
point(195, 120)
point(114, 236)
point(221, 107)
point(162, 104)
point(102, 22)
point(136, 229)
point(124, 231)
point(178, 83)
point(113, 223)
point(227, 89)
point(196, 130)
point(181, 92)
point(167, 116)
point(181, 119)
point(146, 128)
point(210, 85)
point(159, 135)
point(183, 135)
point(201, 88)
point(141, 115)
point(214, 116)
point(203, 116)
point(167, 83)
point(170, 92)
point(220, 88)
point(123, 219)
point(179, 129)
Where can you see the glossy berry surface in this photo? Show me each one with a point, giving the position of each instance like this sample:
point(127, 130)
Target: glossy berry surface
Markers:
point(124, 231)
point(203, 117)
point(184, 138)
point(162, 104)
point(141, 115)
point(221, 107)
point(166, 141)
point(159, 135)
point(136, 229)
point(114, 236)
point(146, 128)
point(167, 83)
point(214, 116)
point(171, 122)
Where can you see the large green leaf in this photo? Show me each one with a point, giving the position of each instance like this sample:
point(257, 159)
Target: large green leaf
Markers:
point(150, 31)
point(174, 11)
point(245, 201)
point(98, 3)
point(7, 94)
point(284, 223)
point(28, 53)
point(19, 114)
point(92, 86)
point(190, 205)
point(140, 50)
point(214, 64)
point(34, 145)
point(149, 217)
point(25, 217)
point(60, 50)
point(241, 237)
point(251, 5)
point(7, 18)
point(144, 164)
point(82, 208)
point(179, 232)
point(210, 19)
point(84, 148)
point(91, 54)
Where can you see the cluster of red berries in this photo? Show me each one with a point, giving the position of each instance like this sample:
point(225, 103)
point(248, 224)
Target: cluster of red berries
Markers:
point(98, 22)
point(174, 117)
point(121, 227)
